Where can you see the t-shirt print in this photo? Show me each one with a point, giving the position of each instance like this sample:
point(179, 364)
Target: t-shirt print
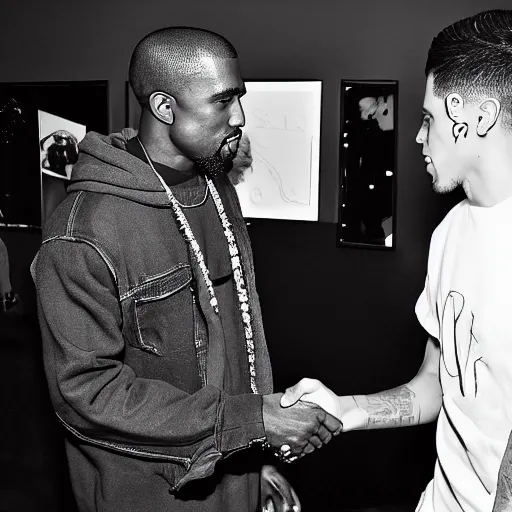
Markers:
point(460, 353)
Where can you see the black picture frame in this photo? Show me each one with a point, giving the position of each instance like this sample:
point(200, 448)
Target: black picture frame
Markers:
point(21, 191)
point(368, 145)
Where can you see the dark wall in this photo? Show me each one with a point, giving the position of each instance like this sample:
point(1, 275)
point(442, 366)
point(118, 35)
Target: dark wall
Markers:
point(342, 315)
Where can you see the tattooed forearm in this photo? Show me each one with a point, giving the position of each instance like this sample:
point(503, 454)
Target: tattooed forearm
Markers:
point(393, 408)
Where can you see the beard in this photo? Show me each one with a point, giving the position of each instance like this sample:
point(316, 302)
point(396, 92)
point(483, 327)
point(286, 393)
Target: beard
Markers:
point(217, 164)
point(214, 166)
point(447, 186)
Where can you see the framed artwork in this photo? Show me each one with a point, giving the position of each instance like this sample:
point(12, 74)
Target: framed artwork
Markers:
point(368, 173)
point(41, 124)
point(282, 123)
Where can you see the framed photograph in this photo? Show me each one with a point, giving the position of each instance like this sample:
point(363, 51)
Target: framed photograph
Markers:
point(41, 124)
point(58, 149)
point(282, 122)
point(368, 173)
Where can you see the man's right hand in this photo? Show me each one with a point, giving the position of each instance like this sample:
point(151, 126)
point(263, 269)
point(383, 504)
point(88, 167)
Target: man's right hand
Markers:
point(312, 390)
point(303, 426)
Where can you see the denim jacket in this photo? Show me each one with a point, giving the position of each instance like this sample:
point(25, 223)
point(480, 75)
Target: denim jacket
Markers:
point(121, 315)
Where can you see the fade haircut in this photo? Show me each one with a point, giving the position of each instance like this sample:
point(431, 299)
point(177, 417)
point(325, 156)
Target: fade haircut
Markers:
point(473, 57)
point(166, 59)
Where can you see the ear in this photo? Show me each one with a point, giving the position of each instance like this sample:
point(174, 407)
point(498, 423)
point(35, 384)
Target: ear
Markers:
point(454, 105)
point(162, 106)
point(489, 112)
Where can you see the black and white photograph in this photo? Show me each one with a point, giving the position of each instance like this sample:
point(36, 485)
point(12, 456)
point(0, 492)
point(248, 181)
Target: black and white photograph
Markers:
point(41, 124)
point(255, 256)
point(58, 145)
point(368, 167)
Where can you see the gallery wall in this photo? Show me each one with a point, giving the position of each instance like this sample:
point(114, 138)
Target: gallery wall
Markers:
point(345, 316)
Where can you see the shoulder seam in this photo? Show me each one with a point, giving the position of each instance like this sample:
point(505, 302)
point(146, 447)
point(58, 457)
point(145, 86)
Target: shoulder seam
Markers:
point(72, 214)
point(101, 252)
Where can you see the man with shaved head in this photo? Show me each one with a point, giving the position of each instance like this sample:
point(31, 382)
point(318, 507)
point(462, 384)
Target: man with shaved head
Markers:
point(153, 341)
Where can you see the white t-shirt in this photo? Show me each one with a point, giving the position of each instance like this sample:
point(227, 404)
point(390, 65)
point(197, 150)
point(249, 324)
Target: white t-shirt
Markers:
point(467, 306)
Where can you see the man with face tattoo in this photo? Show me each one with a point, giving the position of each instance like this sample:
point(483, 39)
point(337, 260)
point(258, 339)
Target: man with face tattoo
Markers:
point(153, 341)
point(465, 381)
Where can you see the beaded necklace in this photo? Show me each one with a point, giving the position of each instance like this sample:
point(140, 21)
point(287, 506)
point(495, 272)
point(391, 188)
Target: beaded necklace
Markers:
point(234, 253)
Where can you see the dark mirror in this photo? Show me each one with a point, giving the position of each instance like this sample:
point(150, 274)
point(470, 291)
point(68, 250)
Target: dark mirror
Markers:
point(367, 199)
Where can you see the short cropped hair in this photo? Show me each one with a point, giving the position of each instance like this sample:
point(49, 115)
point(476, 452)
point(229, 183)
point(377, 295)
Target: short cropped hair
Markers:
point(473, 57)
point(166, 59)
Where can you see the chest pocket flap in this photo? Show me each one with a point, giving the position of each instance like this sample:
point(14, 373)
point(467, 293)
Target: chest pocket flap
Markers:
point(161, 312)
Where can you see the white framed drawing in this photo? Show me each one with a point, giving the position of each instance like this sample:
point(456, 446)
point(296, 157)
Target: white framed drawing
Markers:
point(282, 122)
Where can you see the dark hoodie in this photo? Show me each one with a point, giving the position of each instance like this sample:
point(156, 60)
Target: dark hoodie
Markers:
point(123, 313)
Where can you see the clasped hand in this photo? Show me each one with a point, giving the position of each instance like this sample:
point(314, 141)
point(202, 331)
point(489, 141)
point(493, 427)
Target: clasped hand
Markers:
point(303, 426)
point(313, 391)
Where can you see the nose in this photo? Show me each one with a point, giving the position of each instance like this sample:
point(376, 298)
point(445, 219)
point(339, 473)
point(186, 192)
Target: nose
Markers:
point(420, 136)
point(237, 118)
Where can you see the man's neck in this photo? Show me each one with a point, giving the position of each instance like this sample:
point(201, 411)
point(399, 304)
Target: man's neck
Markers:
point(491, 182)
point(160, 148)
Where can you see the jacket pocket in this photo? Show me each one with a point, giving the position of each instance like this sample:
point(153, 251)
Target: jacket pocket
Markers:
point(171, 473)
point(161, 312)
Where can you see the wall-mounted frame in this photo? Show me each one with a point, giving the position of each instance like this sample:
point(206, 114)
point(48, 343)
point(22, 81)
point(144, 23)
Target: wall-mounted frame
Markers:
point(282, 122)
point(368, 170)
point(40, 126)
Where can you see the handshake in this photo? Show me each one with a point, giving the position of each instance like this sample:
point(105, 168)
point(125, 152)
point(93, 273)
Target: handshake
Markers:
point(302, 419)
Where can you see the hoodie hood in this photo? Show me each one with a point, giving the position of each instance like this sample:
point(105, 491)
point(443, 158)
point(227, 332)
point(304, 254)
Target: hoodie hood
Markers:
point(105, 166)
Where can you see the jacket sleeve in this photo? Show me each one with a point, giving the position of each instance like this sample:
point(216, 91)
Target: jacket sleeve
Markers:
point(98, 397)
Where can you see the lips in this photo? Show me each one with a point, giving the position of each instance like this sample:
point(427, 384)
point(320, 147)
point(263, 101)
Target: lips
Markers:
point(428, 160)
point(231, 144)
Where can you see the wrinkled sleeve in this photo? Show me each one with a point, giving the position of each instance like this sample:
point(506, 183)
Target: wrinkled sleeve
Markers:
point(98, 396)
point(426, 305)
point(426, 311)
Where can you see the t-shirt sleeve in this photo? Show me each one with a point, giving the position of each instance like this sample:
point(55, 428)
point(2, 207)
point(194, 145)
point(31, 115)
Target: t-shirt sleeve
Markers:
point(426, 305)
point(426, 310)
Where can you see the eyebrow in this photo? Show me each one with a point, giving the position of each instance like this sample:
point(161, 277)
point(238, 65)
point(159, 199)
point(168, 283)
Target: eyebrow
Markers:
point(228, 93)
point(427, 112)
